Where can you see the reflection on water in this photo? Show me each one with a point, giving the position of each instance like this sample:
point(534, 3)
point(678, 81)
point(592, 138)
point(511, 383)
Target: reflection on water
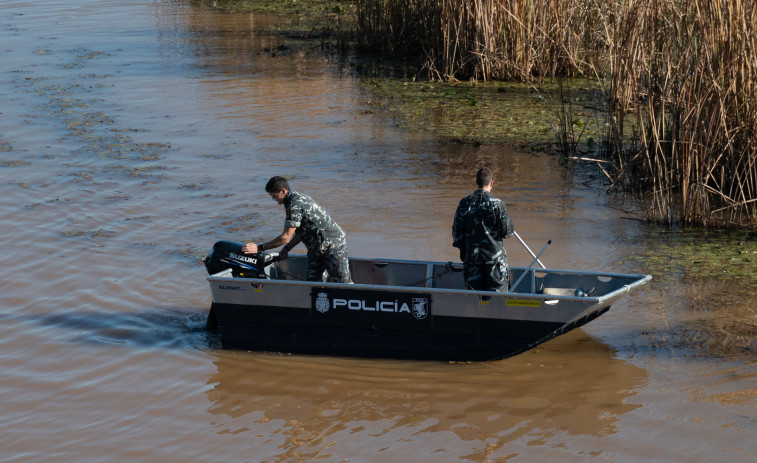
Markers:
point(580, 390)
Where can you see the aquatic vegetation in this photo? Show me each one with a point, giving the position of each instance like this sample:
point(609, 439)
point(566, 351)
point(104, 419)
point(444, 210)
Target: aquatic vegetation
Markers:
point(287, 8)
point(88, 233)
point(327, 25)
point(97, 150)
point(707, 281)
point(5, 147)
point(73, 106)
point(81, 56)
point(15, 163)
point(482, 112)
point(696, 254)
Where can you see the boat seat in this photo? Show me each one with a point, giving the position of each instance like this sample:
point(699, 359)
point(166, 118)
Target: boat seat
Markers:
point(559, 291)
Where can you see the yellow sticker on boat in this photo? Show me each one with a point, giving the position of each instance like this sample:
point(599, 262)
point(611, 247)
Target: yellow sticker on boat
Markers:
point(523, 303)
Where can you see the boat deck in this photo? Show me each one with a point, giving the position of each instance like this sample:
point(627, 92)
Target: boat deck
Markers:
point(449, 276)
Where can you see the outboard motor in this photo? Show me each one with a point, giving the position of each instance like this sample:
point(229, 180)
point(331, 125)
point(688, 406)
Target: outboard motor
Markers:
point(228, 254)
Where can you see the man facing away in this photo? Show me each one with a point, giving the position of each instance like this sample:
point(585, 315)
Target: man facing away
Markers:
point(481, 224)
point(309, 223)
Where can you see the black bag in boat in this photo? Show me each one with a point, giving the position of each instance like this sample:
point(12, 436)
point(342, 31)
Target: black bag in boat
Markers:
point(228, 254)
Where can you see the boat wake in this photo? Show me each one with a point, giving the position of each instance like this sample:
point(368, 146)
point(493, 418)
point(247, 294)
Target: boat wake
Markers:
point(153, 328)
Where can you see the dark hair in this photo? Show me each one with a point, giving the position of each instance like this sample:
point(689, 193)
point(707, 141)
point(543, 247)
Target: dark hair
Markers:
point(484, 177)
point(275, 184)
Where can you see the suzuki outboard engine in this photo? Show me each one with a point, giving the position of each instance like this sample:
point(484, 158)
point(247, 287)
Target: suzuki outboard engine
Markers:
point(228, 254)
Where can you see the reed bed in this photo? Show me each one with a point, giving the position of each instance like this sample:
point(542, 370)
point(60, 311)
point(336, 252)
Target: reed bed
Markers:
point(486, 39)
point(688, 70)
point(678, 78)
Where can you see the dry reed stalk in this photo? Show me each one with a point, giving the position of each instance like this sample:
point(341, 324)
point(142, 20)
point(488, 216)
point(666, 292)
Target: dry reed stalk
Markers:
point(692, 83)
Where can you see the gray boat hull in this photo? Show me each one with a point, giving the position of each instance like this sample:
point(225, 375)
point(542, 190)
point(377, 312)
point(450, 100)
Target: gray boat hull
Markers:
point(406, 309)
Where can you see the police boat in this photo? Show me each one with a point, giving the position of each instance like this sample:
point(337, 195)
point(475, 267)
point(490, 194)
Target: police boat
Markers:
point(397, 308)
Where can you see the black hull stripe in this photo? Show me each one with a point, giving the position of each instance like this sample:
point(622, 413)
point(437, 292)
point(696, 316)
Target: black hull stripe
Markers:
point(364, 335)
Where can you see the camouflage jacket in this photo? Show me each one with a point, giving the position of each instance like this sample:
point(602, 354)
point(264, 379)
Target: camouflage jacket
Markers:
point(318, 232)
point(481, 223)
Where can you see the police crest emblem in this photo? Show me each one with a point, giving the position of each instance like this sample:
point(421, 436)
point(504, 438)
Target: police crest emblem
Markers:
point(322, 303)
point(420, 307)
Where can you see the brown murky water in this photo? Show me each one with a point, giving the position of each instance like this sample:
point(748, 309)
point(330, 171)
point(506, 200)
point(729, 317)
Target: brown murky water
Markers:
point(134, 134)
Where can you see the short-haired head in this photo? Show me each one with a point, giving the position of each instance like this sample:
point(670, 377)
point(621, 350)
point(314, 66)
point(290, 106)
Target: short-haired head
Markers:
point(484, 177)
point(275, 184)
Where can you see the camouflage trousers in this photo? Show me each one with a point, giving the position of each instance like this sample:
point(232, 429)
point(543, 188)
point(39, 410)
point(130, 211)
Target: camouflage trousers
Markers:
point(486, 277)
point(335, 263)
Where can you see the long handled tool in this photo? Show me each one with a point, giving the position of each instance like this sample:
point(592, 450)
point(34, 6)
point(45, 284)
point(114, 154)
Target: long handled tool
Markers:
point(536, 258)
point(529, 249)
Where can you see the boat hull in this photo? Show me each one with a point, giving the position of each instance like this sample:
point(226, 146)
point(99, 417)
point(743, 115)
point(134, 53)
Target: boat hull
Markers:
point(405, 309)
point(296, 330)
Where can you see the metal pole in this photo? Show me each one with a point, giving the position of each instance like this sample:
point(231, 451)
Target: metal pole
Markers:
point(529, 249)
point(536, 258)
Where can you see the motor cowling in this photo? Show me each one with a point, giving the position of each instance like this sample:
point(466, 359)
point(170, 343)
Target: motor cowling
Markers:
point(228, 254)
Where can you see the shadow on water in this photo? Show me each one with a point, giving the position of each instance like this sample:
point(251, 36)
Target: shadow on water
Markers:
point(162, 328)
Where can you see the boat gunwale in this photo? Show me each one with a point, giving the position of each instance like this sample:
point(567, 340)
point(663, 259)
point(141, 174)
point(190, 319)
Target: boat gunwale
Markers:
point(639, 278)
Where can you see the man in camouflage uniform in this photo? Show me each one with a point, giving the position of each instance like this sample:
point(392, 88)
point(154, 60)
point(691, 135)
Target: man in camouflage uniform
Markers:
point(481, 223)
point(309, 223)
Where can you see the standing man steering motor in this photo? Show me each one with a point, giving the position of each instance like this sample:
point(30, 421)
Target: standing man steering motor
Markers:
point(309, 223)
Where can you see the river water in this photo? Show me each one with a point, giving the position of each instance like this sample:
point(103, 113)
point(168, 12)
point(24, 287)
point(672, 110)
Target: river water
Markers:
point(134, 134)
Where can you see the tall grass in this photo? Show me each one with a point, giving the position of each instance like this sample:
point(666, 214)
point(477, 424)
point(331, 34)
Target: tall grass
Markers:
point(486, 39)
point(689, 71)
point(678, 77)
